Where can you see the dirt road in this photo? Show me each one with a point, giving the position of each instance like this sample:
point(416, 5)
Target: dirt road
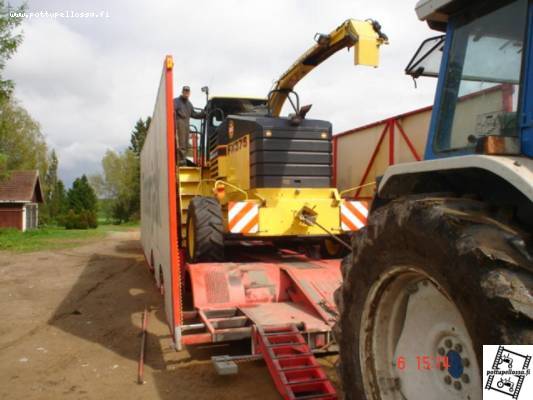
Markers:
point(70, 323)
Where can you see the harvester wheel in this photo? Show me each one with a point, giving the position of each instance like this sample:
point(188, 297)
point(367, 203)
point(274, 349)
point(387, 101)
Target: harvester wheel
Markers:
point(205, 231)
point(430, 281)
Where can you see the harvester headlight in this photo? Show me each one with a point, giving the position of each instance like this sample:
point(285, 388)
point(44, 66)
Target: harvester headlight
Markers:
point(231, 128)
point(268, 133)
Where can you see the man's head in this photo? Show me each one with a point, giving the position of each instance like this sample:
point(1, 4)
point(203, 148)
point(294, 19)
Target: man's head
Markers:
point(185, 91)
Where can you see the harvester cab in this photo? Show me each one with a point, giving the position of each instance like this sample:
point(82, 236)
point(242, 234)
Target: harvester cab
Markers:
point(257, 172)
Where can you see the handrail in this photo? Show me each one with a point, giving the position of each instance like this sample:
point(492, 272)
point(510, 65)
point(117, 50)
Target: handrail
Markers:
point(233, 186)
point(221, 181)
point(355, 188)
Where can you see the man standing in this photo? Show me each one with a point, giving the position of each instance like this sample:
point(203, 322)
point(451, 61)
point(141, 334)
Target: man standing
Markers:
point(183, 111)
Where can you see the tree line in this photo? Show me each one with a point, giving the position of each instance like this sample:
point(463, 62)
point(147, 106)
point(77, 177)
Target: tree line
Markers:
point(114, 194)
point(118, 187)
point(23, 146)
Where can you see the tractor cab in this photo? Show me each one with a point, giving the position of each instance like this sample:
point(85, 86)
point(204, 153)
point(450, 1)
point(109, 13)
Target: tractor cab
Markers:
point(481, 104)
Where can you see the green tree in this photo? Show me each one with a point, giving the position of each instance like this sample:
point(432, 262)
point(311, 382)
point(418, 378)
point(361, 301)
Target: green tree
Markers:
point(55, 205)
point(3, 167)
point(9, 41)
point(48, 184)
point(22, 145)
point(138, 135)
point(82, 204)
point(50, 178)
point(82, 196)
point(121, 183)
point(57, 202)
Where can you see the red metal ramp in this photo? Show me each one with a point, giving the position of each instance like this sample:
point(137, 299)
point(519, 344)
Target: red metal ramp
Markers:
point(292, 365)
point(285, 313)
point(317, 281)
point(309, 282)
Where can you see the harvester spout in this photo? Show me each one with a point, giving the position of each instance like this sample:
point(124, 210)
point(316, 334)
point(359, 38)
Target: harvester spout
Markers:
point(365, 37)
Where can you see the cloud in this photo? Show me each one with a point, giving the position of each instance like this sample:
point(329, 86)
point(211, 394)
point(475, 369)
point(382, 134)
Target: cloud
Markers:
point(88, 80)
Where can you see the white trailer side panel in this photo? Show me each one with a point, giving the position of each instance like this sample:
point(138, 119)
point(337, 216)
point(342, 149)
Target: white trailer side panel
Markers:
point(158, 199)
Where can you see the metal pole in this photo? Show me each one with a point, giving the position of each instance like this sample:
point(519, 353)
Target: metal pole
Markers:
point(140, 370)
point(312, 221)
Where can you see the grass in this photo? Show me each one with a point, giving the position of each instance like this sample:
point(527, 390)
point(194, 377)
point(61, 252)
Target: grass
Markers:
point(53, 237)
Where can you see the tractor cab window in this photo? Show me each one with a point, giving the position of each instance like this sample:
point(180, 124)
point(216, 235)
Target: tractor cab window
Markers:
point(426, 61)
point(482, 82)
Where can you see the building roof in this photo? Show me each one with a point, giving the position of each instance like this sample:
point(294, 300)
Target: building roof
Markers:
point(21, 187)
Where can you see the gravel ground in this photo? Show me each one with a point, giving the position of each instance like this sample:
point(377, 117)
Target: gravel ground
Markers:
point(70, 329)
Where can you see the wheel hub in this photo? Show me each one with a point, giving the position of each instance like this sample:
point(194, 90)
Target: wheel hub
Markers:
point(417, 338)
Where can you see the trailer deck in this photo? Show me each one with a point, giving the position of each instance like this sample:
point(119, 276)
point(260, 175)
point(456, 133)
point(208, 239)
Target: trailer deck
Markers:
point(283, 304)
point(229, 298)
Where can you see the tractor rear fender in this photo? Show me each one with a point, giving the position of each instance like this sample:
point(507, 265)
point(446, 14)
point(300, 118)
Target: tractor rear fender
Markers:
point(504, 182)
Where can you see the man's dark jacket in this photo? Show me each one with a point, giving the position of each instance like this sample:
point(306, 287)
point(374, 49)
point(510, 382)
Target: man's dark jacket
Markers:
point(184, 111)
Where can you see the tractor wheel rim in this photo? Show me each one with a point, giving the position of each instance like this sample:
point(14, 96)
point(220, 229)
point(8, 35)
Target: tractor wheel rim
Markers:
point(410, 327)
point(190, 238)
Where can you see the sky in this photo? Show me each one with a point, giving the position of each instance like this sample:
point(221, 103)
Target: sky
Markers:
point(88, 80)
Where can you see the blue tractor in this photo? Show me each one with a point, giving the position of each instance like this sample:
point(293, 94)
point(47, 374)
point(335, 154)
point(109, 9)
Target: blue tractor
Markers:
point(445, 264)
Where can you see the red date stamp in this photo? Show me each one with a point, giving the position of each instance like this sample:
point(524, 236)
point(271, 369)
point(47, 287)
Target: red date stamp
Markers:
point(423, 363)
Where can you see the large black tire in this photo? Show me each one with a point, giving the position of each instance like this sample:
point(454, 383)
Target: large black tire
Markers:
point(483, 266)
point(205, 231)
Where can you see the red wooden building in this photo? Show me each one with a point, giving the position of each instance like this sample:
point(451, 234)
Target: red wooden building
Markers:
point(20, 195)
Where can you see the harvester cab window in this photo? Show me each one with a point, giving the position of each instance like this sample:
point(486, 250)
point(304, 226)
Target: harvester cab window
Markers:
point(481, 87)
point(217, 110)
point(216, 117)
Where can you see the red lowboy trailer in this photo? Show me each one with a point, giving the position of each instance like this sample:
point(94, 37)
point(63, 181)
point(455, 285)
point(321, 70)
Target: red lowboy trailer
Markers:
point(279, 300)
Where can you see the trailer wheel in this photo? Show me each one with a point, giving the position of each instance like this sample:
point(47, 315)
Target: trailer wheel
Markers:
point(428, 279)
point(205, 231)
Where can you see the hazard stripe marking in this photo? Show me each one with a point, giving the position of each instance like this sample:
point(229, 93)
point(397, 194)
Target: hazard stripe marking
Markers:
point(252, 226)
point(354, 215)
point(243, 217)
point(242, 211)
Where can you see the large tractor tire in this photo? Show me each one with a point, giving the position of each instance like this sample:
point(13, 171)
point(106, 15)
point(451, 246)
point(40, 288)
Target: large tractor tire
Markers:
point(205, 231)
point(430, 278)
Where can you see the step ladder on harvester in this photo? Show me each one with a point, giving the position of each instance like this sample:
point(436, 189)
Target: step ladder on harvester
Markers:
point(189, 179)
point(293, 367)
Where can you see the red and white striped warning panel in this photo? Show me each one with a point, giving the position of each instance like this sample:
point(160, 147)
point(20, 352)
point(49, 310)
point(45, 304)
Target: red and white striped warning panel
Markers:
point(354, 215)
point(243, 216)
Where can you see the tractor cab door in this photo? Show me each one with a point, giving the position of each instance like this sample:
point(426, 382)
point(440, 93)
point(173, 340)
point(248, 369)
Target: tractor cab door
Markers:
point(527, 95)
